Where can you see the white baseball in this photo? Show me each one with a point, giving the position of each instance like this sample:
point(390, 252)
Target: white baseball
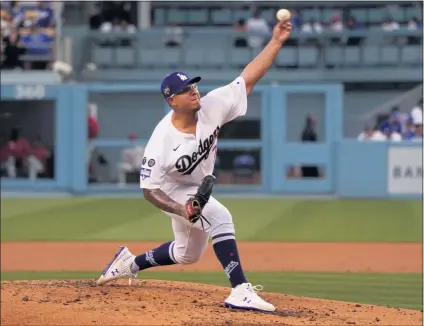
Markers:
point(283, 15)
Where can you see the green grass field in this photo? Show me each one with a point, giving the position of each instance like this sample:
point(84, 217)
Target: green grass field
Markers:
point(109, 219)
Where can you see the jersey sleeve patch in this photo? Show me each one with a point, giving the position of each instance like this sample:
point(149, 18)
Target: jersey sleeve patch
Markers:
point(145, 173)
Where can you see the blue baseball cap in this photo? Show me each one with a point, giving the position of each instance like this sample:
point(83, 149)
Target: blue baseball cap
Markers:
point(175, 82)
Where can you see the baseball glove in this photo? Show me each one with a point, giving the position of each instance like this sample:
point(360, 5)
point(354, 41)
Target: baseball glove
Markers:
point(197, 202)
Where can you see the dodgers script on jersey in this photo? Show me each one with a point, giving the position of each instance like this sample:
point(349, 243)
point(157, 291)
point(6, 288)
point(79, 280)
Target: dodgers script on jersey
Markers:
point(174, 160)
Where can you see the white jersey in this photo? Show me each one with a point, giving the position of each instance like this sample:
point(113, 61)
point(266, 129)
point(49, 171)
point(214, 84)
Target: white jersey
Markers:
point(174, 160)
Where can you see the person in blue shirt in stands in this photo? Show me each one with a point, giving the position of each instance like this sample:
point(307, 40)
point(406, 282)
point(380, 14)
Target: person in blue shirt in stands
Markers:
point(409, 129)
point(45, 14)
point(393, 123)
point(38, 44)
point(244, 167)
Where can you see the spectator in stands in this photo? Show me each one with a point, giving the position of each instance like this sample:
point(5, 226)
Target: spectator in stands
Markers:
point(37, 159)
point(125, 27)
point(379, 135)
point(393, 123)
point(45, 17)
point(417, 111)
point(15, 153)
point(311, 26)
point(336, 25)
point(95, 16)
point(366, 134)
point(92, 132)
point(395, 136)
point(173, 36)
point(418, 124)
point(240, 41)
point(389, 25)
point(258, 30)
point(40, 46)
point(6, 23)
point(131, 160)
point(309, 134)
point(409, 132)
point(418, 131)
point(244, 167)
point(414, 25)
point(353, 25)
point(13, 49)
point(23, 17)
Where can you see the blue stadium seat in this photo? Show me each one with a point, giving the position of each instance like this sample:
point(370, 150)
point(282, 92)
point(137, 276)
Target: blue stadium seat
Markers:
point(242, 14)
point(222, 16)
point(413, 11)
point(374, 39)
point(194, 57)
point(310, 14)
point(215, 57)
point(177, 16)
point(169, 57)
point(102, 56)
point(389, 55)
point(375, 15)
point(370, 54)
point(125, 56)
point(159, 16)
point(213, 39)
point(333, 55)
point(287, 56)
point(240, 57)
point(149, 40)
point(411, 54)
point(198, 16)
point(268, 15)
point(352, 56)
point(359, 14)
point(308, 56)
point(327, 14)
point(398, 15)
point(149, 57)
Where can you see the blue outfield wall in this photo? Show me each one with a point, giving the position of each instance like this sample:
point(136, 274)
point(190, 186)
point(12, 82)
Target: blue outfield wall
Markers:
point(352, 169)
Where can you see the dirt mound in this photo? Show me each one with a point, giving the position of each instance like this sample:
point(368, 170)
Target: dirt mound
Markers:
point(173, 303)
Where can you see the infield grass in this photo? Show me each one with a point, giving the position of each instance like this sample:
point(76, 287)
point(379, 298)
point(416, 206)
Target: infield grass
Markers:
point(273, 219)
point(396, 290)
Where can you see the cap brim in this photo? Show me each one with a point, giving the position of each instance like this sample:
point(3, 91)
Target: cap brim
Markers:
point(194, 80)
point(190, 81)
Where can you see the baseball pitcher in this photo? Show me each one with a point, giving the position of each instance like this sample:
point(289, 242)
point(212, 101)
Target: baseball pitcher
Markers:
point(176, 177)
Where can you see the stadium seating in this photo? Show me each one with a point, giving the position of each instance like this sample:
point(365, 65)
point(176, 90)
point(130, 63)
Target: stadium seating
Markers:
point(208, 14)
point(219, 52)
point(26, 15)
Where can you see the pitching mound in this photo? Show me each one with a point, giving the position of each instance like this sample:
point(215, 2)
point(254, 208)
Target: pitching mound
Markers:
point(173, 303)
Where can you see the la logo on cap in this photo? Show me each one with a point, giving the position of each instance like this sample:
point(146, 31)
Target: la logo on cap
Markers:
point(182, 77)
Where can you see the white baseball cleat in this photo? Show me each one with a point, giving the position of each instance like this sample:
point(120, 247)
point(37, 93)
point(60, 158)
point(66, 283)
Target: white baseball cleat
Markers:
point(119, 267)
point(243, 296)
